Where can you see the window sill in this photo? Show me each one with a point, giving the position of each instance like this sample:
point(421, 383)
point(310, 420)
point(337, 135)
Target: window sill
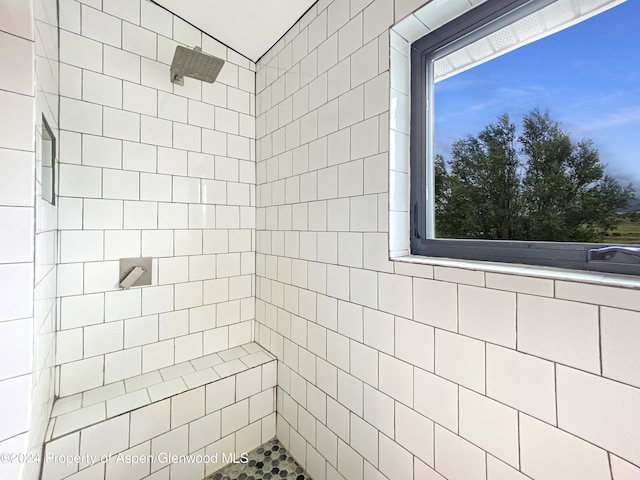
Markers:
point(550, 273)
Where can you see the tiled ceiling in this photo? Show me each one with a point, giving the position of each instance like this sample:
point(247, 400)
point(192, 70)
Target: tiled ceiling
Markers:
point(250, 27)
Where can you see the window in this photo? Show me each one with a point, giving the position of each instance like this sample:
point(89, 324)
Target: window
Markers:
point(524, 124)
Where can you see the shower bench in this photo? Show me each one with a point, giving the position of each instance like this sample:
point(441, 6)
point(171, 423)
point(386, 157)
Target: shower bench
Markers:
point(189, 419)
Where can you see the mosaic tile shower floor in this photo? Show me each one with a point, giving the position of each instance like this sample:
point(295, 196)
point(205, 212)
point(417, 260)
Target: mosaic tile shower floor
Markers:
point(269, 461)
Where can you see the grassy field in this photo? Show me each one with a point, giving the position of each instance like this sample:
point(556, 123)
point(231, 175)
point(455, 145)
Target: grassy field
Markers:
point(626, 232)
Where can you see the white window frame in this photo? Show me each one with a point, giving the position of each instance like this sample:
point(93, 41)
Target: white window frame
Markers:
point(408, 226)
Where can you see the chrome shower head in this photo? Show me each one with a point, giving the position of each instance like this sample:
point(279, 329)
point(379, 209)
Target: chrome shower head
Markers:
point(195, 64)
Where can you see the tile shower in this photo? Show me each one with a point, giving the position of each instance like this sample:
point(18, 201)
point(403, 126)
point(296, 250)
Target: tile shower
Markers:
point(264, 200)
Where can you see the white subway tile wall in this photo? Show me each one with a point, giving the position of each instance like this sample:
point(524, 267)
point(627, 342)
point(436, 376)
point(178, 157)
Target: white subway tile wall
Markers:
point(16, 263)
point(28, 273)
point(149, 168)
point(397, 370)
point(385, 369)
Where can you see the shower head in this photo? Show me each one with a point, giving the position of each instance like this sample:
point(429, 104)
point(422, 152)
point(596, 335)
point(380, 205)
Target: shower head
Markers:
point(194, 64)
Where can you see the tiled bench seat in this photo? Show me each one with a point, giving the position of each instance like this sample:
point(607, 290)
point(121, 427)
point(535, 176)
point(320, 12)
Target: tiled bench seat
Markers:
point(220, 403)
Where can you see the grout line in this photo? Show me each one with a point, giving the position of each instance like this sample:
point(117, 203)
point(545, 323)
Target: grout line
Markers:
point(555, 392)
point(601, 359)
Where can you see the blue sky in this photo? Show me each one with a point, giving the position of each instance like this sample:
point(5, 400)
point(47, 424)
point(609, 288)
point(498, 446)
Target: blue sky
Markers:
point(587, 76)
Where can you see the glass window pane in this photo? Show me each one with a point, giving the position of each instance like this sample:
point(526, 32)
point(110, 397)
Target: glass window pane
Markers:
point(536, 131)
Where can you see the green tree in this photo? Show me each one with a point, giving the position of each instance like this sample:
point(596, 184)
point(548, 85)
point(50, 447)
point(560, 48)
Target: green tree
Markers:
point(482, 198)
point(539, 186)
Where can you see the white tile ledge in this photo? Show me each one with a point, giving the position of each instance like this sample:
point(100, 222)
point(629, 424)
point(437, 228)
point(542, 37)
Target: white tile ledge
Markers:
point(624, 281)
point(81, 410)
